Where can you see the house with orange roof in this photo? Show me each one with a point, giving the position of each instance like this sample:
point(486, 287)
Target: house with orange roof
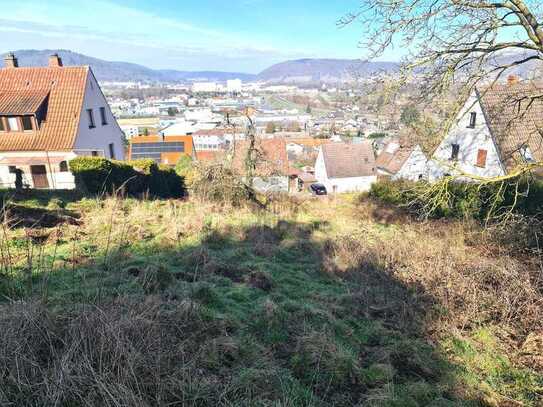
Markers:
point(160, 148)
point(272, 172)
point(48, 116)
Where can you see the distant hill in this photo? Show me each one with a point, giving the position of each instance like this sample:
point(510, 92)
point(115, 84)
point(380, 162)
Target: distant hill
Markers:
point(324, 70)
point(302, 71)
point(124, 71)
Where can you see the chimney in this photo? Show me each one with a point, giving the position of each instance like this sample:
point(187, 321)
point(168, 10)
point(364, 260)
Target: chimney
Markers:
point(512, 80)
point(55, 61)
point(11, 61)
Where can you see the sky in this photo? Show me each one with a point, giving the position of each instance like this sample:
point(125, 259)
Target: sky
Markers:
point(226, 35)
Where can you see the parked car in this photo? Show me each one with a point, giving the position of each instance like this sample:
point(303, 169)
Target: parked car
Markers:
point(318, 189)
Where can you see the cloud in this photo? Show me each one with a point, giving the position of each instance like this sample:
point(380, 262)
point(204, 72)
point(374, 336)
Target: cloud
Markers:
point(111, 22)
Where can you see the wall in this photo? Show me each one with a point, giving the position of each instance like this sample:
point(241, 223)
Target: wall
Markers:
point(271, 184)
point(99, 137)
point(470, 141)
point(56, 179)
point(352, 184)
point(414, 167)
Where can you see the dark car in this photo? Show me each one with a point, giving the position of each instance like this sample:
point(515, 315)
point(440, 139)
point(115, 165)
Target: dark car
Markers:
point(318, 189)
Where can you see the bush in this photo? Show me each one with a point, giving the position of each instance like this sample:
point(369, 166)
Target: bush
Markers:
point(217, 183)
point(96, 175)
point(463, 200)
point(185, 168)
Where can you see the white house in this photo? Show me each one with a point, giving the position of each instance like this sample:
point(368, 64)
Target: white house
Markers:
point(346, 167)
point(295, 148)
point(234, 85)
point(402, 161)
point(497, 129)
point(48, 116)
point(204, 87)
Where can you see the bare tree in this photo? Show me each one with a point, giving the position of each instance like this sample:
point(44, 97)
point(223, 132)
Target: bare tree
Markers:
point(448, 40)
point(454, 47)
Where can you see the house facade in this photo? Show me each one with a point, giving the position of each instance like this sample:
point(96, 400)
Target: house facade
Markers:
point(498, 129)
point(402, 161)
point(344, 167)
point(162, 149)
point(48, 116)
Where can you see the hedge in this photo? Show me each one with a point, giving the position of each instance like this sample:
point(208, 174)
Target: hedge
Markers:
point(96, 175)
point(466, 200)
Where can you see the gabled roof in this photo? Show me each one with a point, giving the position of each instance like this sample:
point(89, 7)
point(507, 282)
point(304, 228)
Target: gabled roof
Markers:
point(272, 157)
point(349, 160)
point(393, 161)
point(65, 87)
point(514, 114)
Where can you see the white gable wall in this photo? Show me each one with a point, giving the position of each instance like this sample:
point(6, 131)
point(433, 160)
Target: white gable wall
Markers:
point(341, 185)
point(98, 138)
point(470, 141)
point(414, 167)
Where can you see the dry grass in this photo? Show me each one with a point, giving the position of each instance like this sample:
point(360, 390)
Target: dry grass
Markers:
point(311, 302)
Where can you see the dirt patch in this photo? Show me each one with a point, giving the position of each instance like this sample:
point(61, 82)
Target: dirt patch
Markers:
point(261, 280)
point(233, 272)
point(20, 216)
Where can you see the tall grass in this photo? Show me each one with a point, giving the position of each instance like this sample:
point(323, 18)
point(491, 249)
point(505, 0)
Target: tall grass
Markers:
point(303, 303)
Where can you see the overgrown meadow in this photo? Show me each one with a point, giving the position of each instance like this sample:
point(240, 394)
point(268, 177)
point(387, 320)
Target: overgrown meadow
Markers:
point(303, 302)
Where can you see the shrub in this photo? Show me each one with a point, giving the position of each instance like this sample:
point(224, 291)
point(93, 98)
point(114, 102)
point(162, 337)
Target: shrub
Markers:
point(217, 183)
point(464, 200)
point(185, 168)
point(96, 175)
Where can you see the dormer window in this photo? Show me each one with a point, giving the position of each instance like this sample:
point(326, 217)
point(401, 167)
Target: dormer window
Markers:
point(13, 124)
point(27, 123)
point(472, 120)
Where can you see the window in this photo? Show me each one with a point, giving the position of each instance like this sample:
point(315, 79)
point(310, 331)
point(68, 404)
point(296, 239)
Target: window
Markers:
point(94, 153)
point(526, 154)
point(91, 119)
point(12, 169)
point(2, 128)
point(27, 123)
point(13, 124)
point(472, 120)
point(481, 158)
point(112, 151)
point(455, 152)
point(63, 166)
point(103, 116)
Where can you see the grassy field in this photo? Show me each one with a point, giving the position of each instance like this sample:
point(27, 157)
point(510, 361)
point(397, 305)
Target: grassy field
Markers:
point(342, 302)
point(277, 102)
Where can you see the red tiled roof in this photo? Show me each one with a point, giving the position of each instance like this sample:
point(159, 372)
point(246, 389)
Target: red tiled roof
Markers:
point(393, 162)
point(349, 160)
point(272, 157)
point(66, 89)
point(21, 102)
point(514, 114)
point(209, 156)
